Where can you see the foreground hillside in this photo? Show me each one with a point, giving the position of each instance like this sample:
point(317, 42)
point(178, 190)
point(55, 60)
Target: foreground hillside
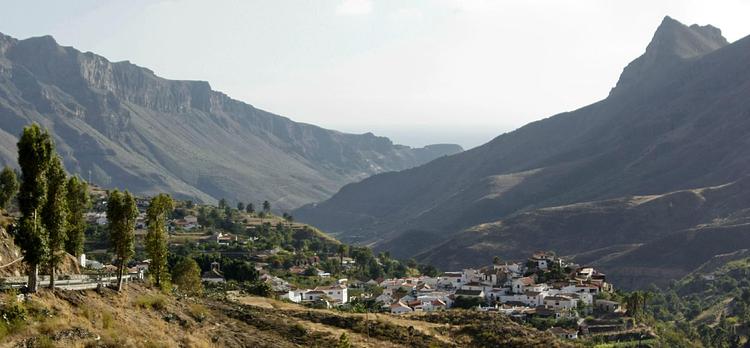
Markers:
point(677, 120)
point(141, 317)
point(117, 123)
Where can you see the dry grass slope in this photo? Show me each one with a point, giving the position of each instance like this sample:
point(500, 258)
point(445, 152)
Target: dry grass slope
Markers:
point(143, 317)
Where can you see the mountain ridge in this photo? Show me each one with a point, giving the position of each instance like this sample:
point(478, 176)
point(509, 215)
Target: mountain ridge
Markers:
point(121, 124)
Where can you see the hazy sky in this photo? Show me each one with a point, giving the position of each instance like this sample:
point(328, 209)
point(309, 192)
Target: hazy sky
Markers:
point(417, 71)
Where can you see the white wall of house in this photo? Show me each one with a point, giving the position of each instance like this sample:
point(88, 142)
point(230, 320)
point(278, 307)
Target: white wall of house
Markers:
point(509, 267)
point(518, 286)
point(340, 294)
point(537, 287)
point(312, 295)
point(572, 289)
point(554, 302)
point(295, 296)
point(452, 280)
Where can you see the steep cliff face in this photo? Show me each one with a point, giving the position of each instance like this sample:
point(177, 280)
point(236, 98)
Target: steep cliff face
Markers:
point(679, 120)
point(121, 125)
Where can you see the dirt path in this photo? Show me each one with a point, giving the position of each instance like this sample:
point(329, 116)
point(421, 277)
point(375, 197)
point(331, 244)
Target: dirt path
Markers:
point(356, 339)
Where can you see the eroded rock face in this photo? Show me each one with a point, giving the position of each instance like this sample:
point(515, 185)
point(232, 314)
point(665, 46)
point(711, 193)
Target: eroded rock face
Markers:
point(121, 125)
point(9, 255)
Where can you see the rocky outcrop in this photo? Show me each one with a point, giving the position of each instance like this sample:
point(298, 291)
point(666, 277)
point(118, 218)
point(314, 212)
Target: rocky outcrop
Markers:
point(10, 256)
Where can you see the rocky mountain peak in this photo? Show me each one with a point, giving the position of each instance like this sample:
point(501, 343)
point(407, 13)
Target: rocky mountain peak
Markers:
point(5, 43)
point(672, 43)
point(675, 39)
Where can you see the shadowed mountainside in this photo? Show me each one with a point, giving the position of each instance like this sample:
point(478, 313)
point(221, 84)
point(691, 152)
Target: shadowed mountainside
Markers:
point(677, 119)
point(121, 125)
point(637, 240)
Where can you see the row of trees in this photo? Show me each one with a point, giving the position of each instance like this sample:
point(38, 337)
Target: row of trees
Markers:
point(122, 214)
point(249, 208)
point(52, 206)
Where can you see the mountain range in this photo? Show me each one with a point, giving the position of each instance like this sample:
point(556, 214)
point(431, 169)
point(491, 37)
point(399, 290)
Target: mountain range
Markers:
point(119, 124)
point(623, 183)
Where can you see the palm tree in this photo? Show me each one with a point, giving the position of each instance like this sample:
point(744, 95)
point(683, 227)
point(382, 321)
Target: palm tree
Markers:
point(645, 297)
point(342, 251)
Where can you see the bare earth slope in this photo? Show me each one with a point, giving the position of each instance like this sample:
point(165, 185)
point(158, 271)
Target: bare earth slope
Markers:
point(120, 124)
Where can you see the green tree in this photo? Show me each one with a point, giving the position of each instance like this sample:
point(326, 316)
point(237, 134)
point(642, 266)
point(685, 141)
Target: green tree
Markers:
point(121, 213)
point(310, 272)
point(266, 207)
point(250, 208)
point(343, 250)
point(156, 238)
point(636, 303)
point(187, 276)
point(222, 203)
point(79, 203)
point(240, 271)
point(259, 288)
point(54, 215)
point(35, 149)
point(8, 186)
point(344, 341)
point(240, 206)
point(288, 217)
point(467, 302)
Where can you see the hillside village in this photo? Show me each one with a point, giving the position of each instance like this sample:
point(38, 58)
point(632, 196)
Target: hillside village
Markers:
point(545, 286)
point(571, 299)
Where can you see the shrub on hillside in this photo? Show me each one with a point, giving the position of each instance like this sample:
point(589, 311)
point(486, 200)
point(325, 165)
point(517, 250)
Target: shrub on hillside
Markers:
point(155, 302)
point(186, 275)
